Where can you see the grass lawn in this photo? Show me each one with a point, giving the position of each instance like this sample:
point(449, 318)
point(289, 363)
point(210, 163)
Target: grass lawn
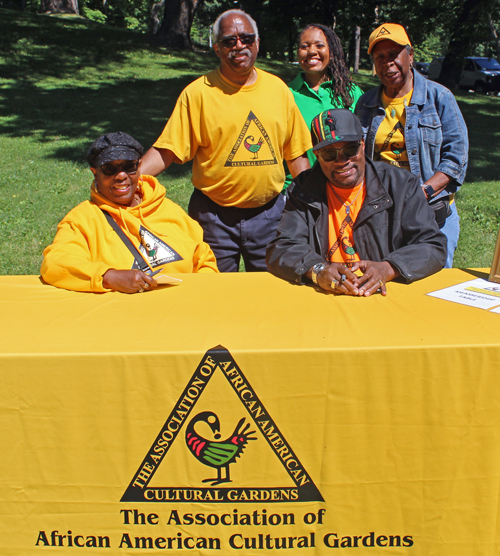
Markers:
point(64, 81)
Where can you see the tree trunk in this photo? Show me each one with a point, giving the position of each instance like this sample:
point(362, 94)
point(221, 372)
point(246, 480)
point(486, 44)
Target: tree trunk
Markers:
point(59, 7)
point(175, 30)
point(154, 20)
point(462, 37)
point(494, 34)
point(357, 48)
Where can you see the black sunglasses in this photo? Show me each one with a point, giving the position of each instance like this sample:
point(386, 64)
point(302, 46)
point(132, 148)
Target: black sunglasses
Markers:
point(332, 155)
point(245, 38)
point(113, 169)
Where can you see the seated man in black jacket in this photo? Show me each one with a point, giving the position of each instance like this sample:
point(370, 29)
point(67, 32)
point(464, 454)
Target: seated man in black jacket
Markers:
point(351, 225)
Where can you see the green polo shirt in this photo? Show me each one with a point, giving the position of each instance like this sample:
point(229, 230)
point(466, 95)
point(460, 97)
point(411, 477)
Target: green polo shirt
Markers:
point(311, 103)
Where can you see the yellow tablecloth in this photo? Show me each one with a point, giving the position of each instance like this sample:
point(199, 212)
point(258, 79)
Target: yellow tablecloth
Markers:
point(376, 422)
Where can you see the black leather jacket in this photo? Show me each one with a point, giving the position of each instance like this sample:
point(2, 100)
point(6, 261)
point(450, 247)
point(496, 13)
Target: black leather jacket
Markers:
point(395, 224)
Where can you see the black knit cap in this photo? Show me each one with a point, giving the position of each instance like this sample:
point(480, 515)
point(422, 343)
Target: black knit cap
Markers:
point(113, 146)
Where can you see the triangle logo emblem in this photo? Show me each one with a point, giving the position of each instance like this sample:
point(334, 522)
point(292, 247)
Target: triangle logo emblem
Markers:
point(156, 251)
point(193, 437)
point(253, 146)
point(382, 32)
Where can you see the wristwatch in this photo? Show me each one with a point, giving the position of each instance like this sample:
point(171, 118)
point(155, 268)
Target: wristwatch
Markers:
point(428, 190)
point(315, 270)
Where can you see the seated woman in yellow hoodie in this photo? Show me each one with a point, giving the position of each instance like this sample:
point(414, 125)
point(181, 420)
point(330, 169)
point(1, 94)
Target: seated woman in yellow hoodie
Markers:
point(126, 232)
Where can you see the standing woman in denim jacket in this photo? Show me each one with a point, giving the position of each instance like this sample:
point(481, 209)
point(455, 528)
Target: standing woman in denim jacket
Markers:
point(416, 124)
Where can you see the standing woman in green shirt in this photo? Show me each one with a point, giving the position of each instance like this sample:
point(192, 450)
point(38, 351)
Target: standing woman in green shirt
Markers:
point(325, 81)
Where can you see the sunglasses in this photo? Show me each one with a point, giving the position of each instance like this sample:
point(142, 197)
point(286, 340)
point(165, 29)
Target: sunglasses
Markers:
point(113, 169)
point(332, 155)
point(245, 38)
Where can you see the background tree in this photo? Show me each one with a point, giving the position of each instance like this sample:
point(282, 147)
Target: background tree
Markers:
point(175, 30)
point(59, 6)
point(494, 34)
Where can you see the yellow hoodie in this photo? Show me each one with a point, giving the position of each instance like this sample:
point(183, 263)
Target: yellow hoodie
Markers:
point(86, 246)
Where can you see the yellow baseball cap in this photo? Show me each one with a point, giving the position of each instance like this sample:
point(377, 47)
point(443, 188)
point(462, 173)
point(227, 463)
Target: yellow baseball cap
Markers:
point(388, 31)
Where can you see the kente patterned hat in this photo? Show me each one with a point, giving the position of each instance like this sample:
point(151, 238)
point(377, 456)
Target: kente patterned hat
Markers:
point(333, 126)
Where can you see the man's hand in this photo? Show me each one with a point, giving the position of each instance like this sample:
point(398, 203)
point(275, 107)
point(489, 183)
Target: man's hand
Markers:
point(375, 276)
point(337, 278)
point(128, 281)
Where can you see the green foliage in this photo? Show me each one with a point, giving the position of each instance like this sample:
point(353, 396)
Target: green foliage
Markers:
point(433, 46)
point(200, 33)
point(132, 23)
point(129, 14)
point(65, 81)
point(94, 15)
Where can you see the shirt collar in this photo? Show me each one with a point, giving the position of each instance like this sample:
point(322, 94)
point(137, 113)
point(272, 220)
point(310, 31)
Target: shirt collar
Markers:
point(300, 83)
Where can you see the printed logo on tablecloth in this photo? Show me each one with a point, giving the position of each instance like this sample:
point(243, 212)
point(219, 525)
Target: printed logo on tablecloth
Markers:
point(253, 146)
point(156, 251)
point(216, 460)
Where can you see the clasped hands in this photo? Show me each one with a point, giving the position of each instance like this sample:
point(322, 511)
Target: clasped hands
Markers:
point(337, 278)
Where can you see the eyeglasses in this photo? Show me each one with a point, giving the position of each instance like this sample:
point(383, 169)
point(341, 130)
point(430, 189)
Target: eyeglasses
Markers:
point(245, 38)
point(113, 169)
point(332, 155)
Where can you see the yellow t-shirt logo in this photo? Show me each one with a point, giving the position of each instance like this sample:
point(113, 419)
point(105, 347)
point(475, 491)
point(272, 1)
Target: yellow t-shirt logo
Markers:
point(253, 146)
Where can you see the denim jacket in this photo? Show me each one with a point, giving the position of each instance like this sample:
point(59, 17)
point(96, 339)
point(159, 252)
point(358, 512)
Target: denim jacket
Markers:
point(435, 131)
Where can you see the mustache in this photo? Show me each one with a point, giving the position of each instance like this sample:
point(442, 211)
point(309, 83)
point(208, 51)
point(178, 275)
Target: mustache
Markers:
point(244, 51)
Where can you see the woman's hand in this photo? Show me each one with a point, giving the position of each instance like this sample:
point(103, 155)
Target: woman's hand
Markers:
point(375, 276)
point(128, 281)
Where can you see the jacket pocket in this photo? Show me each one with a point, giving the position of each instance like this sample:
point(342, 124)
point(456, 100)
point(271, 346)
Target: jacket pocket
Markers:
point(431, 129)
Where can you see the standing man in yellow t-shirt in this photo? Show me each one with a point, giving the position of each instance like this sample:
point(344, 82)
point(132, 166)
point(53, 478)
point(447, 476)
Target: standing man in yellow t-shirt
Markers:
point(237, 123)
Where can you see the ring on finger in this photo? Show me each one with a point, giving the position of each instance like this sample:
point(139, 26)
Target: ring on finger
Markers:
point(140, 290)
point(334, 284)
point(146, 286)
point(381, 284)
point(342, 278)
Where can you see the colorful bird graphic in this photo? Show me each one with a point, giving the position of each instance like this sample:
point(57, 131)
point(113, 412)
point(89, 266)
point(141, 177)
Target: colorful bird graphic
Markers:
point(253, 147)
point(217, 454)
point(152, 252)
point(348, 248)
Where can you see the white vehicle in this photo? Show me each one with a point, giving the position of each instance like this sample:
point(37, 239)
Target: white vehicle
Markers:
point(479, 74)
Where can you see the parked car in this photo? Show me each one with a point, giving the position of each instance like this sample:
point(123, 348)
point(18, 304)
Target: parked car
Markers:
point(479, 74)
point(422, 67)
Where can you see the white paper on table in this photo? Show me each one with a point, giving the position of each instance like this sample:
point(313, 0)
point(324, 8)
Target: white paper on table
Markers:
point(164, 279)
point(475, 293)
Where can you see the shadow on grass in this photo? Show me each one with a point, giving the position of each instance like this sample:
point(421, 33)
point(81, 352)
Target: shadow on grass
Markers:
point(45, 46)
point(38, 45)
point(482, 116)
point(138, 107)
